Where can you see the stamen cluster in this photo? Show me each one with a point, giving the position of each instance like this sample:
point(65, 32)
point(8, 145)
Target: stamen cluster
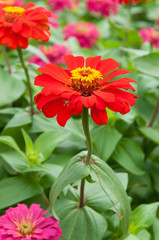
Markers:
point(85, 80)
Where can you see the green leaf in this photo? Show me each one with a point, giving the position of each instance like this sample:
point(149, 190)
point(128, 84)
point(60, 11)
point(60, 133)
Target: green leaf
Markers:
point(47, 142)
point(19, 119)
point(16, 189)
point(130, 156)
point(143, 217)
point(46, 169)
point(155, 229)
point(150, 133)
point(12, 88)
point(28, 142)
point(85, 224)
point(11, 143)
point(148, 64)
point(75, 170)
point(113, 188)
point(105, 140)
point(14, 160)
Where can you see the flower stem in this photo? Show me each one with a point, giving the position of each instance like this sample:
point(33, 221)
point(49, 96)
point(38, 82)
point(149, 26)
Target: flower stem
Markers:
point(20, 54)
point(6, 59)
point(85, 124)
point(45, 199)
point(154, 114)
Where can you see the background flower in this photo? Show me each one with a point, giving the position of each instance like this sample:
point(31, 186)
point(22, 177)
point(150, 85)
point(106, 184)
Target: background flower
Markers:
point(85, 32)
point(53, 53)
point(6, 3)
point(150, 35)
point(18, 24)
point(26, 223)
point(104, 7)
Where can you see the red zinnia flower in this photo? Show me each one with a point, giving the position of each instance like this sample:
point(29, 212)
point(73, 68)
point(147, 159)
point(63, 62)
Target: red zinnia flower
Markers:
point(84, 84)
point(18, 24)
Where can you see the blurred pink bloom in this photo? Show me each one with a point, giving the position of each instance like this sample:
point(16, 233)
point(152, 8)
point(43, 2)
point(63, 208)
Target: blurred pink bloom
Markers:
point(85, 32)
point(5, 3)
point(53, 53)
point(52, 20)
point(150, 35)
point(104, 7)
point(22, 223)
point(58, 5)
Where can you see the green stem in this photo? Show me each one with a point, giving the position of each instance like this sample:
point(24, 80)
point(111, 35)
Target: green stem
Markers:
point(154, 114)
point(45, 199)
point(6, 59)
point(20, 54)
point(85, 124)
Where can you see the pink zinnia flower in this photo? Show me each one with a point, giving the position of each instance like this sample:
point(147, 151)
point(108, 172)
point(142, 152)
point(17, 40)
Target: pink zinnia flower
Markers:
point(53, 53)
point(104, 7)
point(22, 223)
point(85, 32)
point(150, 35)
point(129, 1)
point(6, 3)
point(58, 5)
point(52, 20)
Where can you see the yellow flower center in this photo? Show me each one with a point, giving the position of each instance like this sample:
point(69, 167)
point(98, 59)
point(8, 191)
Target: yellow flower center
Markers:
point(26, 228)
point(86, 80)
point(13, 13)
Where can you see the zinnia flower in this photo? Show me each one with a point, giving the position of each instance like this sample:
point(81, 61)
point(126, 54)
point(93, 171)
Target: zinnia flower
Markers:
point(6, 3)
point(85, 32)
point(53, 53)
point(58, 5)
point(104, 7)
point(150, 35)
point(129, 1)
point(18, 24)
point(22, 223)
point(85, 83)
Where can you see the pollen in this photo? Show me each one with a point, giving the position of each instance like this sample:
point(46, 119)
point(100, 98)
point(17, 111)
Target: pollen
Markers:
point(86, 80)
point(13, 13)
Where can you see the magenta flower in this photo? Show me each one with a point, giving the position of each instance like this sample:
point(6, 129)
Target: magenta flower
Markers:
point(6, 3)
point(52, 20)
point(58, 5)
point(85, 32)
point(150, 35)
point(21, 223)
point(104, 7)
point(53, 53)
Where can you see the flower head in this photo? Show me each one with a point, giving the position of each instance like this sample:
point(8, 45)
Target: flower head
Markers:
point(129, 1)
point(58, 5)
point(150, 35)
point(7, 3)
point(26, 223)
point(85, 32)
point(17, 24)
point(85, 83)
point(104, 7)
point(53, 53)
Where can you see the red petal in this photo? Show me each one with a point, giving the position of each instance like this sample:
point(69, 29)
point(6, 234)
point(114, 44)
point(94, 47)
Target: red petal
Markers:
point(63, 116)
point(93, 61)
point(52, 108)
point(56, 72)
point(105, 96)
point(73, 62)
point(17, 26)
point(42, 100)
point(114, 74)
point(23, 42)
point(56, 89)
point(2, 31)
point(44, 80)
point(120, 83)
point(107, 65)
point(119, 106)
point(88, 102)
point(99, 116)
point(26, 31)
point(29, 5)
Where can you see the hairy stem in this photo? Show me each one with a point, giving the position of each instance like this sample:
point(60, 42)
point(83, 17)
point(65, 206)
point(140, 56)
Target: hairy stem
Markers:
point(6, 59)
point(20, 54)
point(85, 124)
